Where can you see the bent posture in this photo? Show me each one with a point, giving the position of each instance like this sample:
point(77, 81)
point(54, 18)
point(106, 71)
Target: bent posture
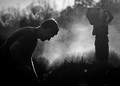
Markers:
point(17, 50)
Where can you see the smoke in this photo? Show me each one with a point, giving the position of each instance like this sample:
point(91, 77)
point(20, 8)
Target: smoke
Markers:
point(114, 32)
point(72, 42)
point(77, 40)
point(114, 38)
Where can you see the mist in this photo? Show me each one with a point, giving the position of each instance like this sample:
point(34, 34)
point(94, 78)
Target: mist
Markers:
point(114, 38)
point(73, 42)
point(77, 40)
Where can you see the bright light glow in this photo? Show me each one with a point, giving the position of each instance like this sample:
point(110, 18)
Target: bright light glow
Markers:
point(55, 4)
point(61, 4)
point(97, 1)
point(85, 70)
point(72, 42)
point(14, 3)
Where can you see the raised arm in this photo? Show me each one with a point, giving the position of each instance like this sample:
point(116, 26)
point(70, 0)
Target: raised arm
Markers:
point(109, 17)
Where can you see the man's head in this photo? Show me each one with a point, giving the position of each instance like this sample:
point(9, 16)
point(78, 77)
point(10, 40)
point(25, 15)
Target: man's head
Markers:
point(48, 29)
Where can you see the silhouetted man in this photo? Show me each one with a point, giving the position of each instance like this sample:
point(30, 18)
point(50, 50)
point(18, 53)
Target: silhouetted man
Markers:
point(17, 50)
point(100, 19)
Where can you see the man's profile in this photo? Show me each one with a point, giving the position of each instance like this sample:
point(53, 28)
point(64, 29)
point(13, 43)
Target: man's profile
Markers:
point(17, 50)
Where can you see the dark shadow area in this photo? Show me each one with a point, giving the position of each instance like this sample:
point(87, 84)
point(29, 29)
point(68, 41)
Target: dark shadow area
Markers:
point(81, 73)
point(68, 73)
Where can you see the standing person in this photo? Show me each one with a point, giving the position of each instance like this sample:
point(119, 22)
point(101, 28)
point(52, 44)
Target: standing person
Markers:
point(17, 50)
point(101, 39)
point(100, 23)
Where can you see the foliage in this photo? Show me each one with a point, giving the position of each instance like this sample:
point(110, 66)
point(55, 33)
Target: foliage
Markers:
point(12, 18)
point(74, 73)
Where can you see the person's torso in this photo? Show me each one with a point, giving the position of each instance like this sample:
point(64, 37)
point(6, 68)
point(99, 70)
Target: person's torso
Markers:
point(100, 30)
point(27, 37)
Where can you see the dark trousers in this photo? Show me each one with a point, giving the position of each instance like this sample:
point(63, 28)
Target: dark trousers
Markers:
point(102, 48)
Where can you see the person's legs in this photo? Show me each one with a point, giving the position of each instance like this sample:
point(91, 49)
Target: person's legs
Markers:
point(105, 51)
point(98, 48)
point(101, 48)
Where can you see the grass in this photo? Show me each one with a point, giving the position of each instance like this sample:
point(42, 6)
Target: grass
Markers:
point(83, 72)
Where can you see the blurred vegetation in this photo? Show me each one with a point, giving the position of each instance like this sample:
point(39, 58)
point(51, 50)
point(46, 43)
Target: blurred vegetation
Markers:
point(12, 18)
point(76, 71)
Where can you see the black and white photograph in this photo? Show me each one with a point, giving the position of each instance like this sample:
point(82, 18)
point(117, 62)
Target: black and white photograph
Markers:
point(60, 42)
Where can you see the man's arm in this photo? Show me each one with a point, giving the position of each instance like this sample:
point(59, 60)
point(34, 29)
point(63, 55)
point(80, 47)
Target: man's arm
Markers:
point(109, 17)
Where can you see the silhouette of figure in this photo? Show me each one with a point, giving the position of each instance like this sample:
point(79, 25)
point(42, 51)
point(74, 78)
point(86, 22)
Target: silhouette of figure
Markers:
point(101, 39)
point(100, 22)
point(17, 50)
